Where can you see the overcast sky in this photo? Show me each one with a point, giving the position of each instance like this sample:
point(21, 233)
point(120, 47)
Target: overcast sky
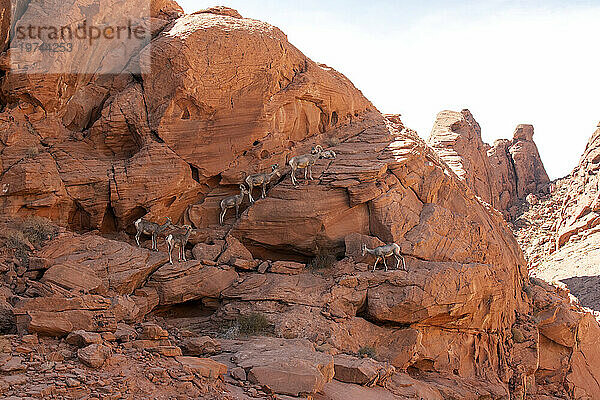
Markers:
point(507, 61)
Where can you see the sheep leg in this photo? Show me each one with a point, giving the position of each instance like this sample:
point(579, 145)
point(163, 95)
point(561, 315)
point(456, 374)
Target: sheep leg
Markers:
point(310, 172)
point(170, 253)
point(398, 258)
point(305, 173)
point(137, 237)
point(222, 216)
point(264, 191)
point(375, 265)
point(250, 193)
point(237, 211)
point(292, 175)
point(384, 263)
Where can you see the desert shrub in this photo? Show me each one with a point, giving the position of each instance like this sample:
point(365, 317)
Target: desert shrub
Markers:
point(367, 351)
point(323, 259)
point(38, 230)
point(17, 241)
point(253, 324)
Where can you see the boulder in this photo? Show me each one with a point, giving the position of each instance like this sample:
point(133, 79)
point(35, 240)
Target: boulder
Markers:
point(234, 251)
point(301, 289)
point(125, 333)
point(82, 338)
point(287, 267)
point(75, 278)
point(200, 346)
point(94, 355)
point(191, 280)
point(202, 366)
point(203, 251)
point(152, 331)
point(59, 316)
point(92, 263)
point(12, 365)
point(362, 371)
point(290, 367)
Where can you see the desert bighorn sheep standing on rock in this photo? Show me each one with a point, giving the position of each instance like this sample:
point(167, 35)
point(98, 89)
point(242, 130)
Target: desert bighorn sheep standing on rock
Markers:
point(382, 252)
point(178, 239)
point(233, 201)
point(305, 161)
point(261, 180)
point(150, 228)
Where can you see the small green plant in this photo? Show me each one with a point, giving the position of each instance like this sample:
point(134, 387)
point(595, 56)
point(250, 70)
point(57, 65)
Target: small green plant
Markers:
point(38, 230)
point(253, 323)
point(367, 351)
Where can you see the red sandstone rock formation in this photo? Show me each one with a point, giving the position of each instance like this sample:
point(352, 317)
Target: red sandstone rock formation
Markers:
point(228, 96)
point(579, 214)
point(501, 174)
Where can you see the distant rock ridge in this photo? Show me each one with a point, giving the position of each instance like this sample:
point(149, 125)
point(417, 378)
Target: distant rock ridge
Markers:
point(502, 174)
point(580, 213)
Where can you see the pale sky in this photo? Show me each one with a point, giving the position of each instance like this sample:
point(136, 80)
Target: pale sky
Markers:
point(507, 61)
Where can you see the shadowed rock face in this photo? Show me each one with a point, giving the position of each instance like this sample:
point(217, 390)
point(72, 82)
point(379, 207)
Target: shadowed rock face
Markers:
point(501, 174)
point(229, 96)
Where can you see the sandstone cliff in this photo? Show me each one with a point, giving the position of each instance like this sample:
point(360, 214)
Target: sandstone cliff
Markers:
point(559, 231)
point(228, 96)
point(502, 174)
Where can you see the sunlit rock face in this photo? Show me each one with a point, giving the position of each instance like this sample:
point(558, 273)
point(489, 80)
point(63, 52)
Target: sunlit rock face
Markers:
point(502, 174)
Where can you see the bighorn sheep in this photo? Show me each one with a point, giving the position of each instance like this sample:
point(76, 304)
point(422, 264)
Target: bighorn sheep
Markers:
point(261, 180)
point(329, 154)
point(150, 228)
point(233, 201)
point(179, 239)
point(305, 161)
point(382, 252)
